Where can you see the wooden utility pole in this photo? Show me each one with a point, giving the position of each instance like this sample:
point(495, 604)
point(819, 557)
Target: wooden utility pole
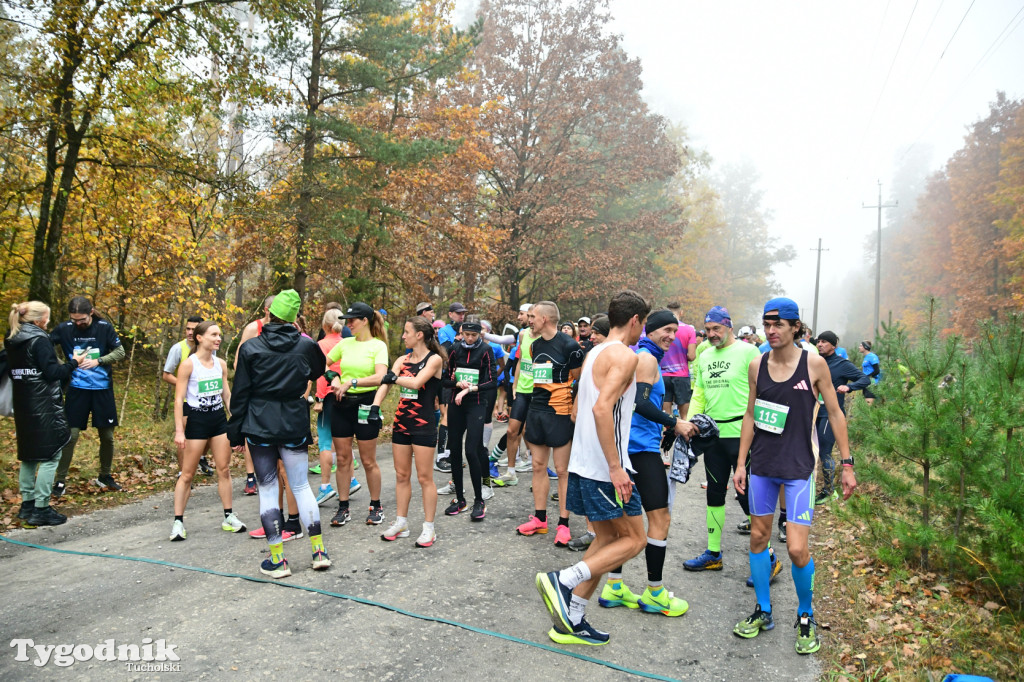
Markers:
point(817, 281)
point(878, 253)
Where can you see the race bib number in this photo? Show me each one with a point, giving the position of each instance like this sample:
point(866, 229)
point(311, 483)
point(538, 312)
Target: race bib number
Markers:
point(210, 387)
point(363, 416)
point(470, 375)
point(770, 417)
point(526, 369)
point(411, 393)
point(543, 373)
point(93, 354)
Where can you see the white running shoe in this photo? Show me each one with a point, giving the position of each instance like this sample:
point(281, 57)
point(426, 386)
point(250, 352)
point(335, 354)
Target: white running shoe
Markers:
point(524, 466)
point(232, 524)
point(448, 489)
point(487, 492)
point(398, 529)
point(426, 538)
point(178, 531)
point(506, 479)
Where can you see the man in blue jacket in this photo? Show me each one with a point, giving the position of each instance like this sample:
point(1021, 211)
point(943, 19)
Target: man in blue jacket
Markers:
point(846, 378)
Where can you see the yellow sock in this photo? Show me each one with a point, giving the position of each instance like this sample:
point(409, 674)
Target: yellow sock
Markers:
point(318, 543)
point(277, 552)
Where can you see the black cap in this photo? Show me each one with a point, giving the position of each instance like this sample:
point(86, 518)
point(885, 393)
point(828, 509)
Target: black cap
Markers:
point(829, 337)
point(457, 308)
point(358, 309)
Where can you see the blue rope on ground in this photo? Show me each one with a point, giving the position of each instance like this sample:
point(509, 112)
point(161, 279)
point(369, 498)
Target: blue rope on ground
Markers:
point(358, 600)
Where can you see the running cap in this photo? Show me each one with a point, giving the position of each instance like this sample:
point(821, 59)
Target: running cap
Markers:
point(745, 331)
point(583, 319)
point(286, 305)
point(719, 315)
point(423, 307)
point(457, 308)
point(383, 313)
point(525, 308)
point(358, 309)
point(788, 309)
point(829, 337)
point(659, 319)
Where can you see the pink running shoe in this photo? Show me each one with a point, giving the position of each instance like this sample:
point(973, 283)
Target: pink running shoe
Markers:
point(533, 526)
point(260, 534)
point(562, 536)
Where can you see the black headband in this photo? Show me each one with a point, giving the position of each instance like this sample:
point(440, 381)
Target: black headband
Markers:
point(472, 327)
point(659, 319)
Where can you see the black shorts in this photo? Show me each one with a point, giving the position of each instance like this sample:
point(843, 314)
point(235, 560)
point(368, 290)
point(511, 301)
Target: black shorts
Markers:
point(202, 424)
point(345, 417)
point(445, 396)
point(869, 394)
point(677, 390)
point(80, 402)
point(651, 479)
point(424, 440)
point(548, 428)
point(520, 407)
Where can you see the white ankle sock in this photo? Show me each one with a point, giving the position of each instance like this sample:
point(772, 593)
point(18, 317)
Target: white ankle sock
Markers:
point(577, 608)
point(574, 575)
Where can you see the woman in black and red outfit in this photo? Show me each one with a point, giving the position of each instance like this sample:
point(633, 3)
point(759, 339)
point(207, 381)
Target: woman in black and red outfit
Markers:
point(418, 377)
point(471, 371)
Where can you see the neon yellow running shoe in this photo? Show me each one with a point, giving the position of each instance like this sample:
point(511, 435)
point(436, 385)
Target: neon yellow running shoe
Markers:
point(611, 597)
point(662, 601)
point(807, 641)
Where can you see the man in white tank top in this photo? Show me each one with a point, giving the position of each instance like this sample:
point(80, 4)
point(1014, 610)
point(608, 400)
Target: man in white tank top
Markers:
point(600, 486)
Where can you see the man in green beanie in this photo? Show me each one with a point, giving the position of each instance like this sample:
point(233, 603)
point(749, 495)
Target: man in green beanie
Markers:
point(286, 305)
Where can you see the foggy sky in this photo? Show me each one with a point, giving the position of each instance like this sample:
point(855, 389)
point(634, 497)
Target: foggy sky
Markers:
point(796, 89)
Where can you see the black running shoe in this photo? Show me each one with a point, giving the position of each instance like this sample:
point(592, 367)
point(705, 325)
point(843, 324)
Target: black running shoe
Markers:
point(46, 517)
point(107, 483)
point(342, 517)
point(204, 467)
point(444, 465)
point(58, 490)
point(27, 509)
point(456, 507)
point(375, 517)
point(479, 511)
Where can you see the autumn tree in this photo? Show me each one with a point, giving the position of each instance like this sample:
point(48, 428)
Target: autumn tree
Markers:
point(577, 187)
point(355, 72)
point(87, 63)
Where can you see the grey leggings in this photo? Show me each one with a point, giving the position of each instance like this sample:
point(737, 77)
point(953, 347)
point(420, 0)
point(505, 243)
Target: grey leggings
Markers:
point(264, 461)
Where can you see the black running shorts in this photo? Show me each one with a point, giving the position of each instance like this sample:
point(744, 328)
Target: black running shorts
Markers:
point(81, 402)
point(548, 428)
point(520, 407)
point(345, 417)
point(203, 424)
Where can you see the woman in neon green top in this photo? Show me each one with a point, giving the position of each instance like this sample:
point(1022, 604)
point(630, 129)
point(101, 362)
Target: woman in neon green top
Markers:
point(362, 362)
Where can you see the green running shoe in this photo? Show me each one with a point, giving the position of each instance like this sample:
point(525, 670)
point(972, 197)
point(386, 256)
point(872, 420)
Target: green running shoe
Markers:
point(662, 601)
point(584, 633)
point(610, 597)
point(807, 641)
point(752, 626)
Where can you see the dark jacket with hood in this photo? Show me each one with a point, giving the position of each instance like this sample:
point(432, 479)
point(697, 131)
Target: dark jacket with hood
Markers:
point(267, 403)
point(36, 377)
point(844, 372)
point(479, 357)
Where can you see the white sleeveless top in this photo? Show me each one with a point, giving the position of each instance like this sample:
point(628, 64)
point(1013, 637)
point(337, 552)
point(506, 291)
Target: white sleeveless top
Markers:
point(205, 385)
point(587, 458)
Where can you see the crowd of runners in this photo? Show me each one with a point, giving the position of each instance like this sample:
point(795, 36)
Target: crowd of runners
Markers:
point(615, 407)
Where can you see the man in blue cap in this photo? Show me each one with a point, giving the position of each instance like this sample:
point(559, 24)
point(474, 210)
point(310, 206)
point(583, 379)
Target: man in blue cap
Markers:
point(778, 431)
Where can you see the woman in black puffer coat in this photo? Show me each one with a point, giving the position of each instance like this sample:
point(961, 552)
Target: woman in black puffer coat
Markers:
point(39, 418)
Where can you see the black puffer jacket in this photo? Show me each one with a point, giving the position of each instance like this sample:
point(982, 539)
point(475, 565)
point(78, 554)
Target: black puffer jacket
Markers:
point(266, 398)
point(36, 377)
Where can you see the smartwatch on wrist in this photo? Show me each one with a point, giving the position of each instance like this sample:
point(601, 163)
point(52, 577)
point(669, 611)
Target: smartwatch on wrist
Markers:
point(848, 462)
point(355, 382)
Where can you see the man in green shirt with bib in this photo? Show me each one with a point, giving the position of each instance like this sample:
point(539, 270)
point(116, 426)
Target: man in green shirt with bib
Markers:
point(721, 391)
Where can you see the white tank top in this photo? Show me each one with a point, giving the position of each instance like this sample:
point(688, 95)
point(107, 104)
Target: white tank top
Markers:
point(205, 385)
point(587, 458)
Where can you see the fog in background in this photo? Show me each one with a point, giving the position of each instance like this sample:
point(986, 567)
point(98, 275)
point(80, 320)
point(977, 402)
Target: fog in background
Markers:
point(825, 100)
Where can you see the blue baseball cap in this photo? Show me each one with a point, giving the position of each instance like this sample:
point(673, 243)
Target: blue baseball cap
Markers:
point(787, 307)
point(719, 315)
point(383, 312)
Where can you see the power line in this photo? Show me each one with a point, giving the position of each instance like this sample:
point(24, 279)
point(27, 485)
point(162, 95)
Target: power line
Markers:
point(892, 65)
point(962, 19)
point(997, 43)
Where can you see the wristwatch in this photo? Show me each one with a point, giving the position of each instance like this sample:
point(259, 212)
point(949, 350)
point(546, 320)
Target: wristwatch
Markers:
point(848, 462)
point(355, 382)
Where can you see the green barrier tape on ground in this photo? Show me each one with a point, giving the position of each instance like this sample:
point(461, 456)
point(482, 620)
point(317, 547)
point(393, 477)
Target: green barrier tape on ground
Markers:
point(359, 600)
